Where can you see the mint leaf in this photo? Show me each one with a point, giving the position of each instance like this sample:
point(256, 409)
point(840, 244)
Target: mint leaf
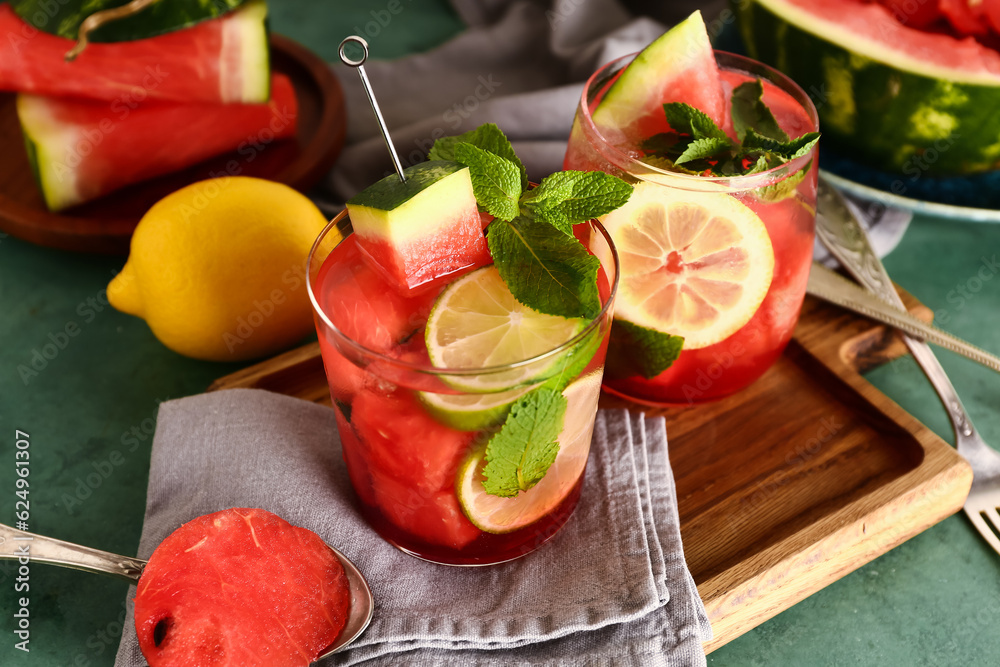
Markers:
point(701, 149)
point(489, 137)
point(789, 150)
point(637, 350)
point(567, 198)
point(662, 142)
point(785, 188)
point(685, 119)
point(545, 269)
point(750, 113)
point(495, 180)
point(520, 453)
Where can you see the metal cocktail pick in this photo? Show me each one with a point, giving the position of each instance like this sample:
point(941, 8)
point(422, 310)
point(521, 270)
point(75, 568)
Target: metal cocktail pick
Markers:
point(360, 65)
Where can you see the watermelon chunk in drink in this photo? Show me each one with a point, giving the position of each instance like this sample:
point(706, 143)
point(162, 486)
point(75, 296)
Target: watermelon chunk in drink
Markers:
point(418, 231)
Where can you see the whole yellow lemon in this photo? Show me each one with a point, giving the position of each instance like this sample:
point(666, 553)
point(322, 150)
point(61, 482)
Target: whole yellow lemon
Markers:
point(217, 269)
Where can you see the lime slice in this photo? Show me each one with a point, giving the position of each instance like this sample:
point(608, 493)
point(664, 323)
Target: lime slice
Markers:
point(693, 264)
point(471, 412)
point(494, 514)
point(477, 323)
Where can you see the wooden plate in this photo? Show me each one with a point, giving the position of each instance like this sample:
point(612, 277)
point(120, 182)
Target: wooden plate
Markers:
point(784, 487)
point(105, 225)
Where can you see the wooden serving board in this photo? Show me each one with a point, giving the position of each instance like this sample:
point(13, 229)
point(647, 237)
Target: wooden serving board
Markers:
point(785, 487)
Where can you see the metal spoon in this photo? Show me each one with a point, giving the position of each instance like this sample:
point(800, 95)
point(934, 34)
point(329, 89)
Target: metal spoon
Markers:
point(18, 544)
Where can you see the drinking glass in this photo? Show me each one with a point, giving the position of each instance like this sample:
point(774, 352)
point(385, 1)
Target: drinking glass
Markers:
point(727, 366)
point(416, 467)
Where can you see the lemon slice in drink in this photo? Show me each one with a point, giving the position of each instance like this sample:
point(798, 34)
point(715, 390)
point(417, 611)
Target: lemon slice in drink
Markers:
point(494, 514)
point(477, 323)
point(693, 264)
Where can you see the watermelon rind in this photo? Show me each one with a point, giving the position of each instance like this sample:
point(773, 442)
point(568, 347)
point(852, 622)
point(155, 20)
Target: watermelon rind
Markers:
point(251, 83)
point(63, 18)
point(435, 193)
point(876, 103)
point(56, 180)
point(639, 88)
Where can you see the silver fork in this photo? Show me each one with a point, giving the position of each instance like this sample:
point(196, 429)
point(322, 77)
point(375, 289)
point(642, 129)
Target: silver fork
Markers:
point(841, 233)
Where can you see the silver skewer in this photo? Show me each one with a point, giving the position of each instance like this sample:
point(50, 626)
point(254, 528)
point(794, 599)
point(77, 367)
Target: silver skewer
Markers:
point(360, 66)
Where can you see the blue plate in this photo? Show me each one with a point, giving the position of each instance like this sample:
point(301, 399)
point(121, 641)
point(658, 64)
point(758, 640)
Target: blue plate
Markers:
point(974, 198)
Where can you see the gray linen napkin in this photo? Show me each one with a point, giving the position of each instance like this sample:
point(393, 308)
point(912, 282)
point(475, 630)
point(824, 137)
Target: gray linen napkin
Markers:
point(611, 587)
point(521, 65)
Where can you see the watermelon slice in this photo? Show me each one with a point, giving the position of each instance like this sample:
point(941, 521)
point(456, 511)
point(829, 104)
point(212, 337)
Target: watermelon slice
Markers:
point(678, 67)
point(422, 230)
point(964, 17)
point(901, 99)
point(405, 443)
point(218, 61)
point(240, 588)
point(82, 149)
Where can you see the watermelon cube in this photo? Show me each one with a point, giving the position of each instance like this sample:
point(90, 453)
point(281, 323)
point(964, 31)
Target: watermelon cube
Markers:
point(405, 442)
point(421, 230)
point(432, 516)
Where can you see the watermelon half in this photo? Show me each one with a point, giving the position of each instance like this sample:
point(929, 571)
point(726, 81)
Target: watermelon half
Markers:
point(223, 60)
point(892, 96)
point(83, 149)
point(240, 588)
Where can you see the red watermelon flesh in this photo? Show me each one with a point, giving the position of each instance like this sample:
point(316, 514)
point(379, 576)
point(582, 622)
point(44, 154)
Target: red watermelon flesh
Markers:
point(240, 588)
point(356, 459)
point(403, 441)
point(875, 24)
point(965, 18)
point(221, 60)
point(364, 305)
point(432, 516)
point(914, 13)
point(83, 149)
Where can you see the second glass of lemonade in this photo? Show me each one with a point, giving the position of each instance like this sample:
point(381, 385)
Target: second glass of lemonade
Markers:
point(695, 257)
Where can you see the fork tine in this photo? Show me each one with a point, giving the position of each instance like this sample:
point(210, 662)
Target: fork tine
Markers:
point(976, 516)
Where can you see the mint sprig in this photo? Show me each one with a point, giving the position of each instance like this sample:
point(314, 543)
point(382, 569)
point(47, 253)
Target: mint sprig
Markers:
point(638, 350)
point(567, 198)
point(531, 239)
point(751, 113)
point(545, 270)
point(696, 145)
point(489, 137)
point(521, 452)
point(495, 180)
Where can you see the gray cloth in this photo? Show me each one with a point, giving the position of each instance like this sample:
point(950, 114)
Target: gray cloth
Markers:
point(611, 587)
point(521, 65)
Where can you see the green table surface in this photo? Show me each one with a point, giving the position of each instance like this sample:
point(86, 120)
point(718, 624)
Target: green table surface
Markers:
point(90, 412)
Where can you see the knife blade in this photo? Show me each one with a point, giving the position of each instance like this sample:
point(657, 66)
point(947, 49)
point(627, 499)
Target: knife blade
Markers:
point(833, 287)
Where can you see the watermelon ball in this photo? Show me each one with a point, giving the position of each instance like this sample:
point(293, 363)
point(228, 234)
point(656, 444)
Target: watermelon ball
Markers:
point(240, 588)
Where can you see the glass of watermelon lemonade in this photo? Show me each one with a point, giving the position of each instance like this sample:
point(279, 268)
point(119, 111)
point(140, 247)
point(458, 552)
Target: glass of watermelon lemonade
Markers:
point(413, 435)
point(721, 260)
